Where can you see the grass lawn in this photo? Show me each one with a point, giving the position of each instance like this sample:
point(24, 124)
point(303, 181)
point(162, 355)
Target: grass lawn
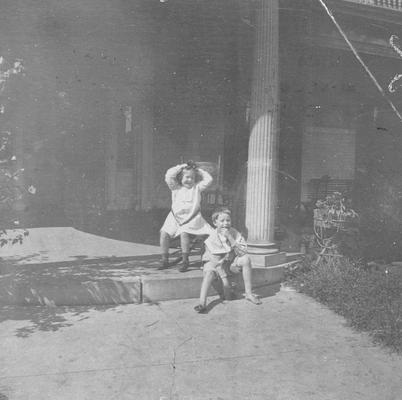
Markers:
point(370, 300)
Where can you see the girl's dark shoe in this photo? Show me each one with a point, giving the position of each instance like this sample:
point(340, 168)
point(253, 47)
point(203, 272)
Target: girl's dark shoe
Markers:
point(228, 294)
point(184, 266)
point(163, 265)
point(201, 309)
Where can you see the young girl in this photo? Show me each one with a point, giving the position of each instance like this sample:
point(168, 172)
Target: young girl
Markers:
point(226, 252)
point(186, 181)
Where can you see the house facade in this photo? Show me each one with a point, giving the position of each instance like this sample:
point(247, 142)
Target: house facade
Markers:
point(270, 94)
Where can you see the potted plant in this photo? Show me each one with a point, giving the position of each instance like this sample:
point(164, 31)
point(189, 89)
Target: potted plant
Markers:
point(334, 213)
point(335, 223)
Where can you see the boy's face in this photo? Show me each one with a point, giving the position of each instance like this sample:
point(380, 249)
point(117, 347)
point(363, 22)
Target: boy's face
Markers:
point(188, 178)
point(223, 221)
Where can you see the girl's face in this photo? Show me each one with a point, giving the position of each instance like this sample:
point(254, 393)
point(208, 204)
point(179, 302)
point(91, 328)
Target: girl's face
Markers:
point(223, 221)
point(188, 178)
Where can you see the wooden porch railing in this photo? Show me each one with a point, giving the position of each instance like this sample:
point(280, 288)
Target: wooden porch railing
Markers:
point(389, 4)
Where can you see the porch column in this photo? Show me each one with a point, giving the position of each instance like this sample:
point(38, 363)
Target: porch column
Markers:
point(262, 151)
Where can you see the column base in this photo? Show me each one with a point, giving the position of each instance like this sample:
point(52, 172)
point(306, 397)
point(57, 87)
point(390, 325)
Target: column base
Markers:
point(262, 248)
point(265, 254)
point(267, 260)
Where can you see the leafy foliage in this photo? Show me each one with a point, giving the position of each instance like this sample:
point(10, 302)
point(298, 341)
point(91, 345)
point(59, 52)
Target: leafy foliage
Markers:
point(336, 228)
point(335, 211)
point(12, 237)
point(11, 190)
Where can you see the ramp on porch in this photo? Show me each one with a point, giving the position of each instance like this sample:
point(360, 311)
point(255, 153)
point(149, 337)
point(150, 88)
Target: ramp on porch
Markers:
point(64, 266)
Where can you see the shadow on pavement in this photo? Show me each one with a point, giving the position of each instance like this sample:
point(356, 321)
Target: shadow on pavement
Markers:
point(101, 282)
point(48, 319)
point(85, 283)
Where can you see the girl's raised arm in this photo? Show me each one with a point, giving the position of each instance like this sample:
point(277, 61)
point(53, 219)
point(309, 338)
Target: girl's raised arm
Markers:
point(206, 179)
point(170, 177)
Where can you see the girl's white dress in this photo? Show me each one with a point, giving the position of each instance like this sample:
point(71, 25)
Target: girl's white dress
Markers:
point(184, 202)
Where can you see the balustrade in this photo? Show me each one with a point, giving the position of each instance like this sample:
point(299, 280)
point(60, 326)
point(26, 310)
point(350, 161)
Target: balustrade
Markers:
point(389, 4)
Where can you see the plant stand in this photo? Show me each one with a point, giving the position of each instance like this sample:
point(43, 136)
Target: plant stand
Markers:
point(327, 232)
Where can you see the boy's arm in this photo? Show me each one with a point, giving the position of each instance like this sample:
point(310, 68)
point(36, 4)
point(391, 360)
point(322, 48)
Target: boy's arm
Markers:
point(206, 179)
point(170, 177)
point(237, 242)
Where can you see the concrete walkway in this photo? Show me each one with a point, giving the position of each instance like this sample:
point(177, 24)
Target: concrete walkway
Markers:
point(289, 348)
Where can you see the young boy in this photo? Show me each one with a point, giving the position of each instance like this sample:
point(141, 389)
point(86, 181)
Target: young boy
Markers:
point(226, 250)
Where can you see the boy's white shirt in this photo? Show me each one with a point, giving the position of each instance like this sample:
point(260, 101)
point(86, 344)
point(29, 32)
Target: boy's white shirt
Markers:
point(219, 244)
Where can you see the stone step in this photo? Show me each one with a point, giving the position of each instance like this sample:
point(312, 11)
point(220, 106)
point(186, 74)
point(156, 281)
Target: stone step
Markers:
point(294, 257)
point(119, 283)
point(268, 260)
point(187, 286)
